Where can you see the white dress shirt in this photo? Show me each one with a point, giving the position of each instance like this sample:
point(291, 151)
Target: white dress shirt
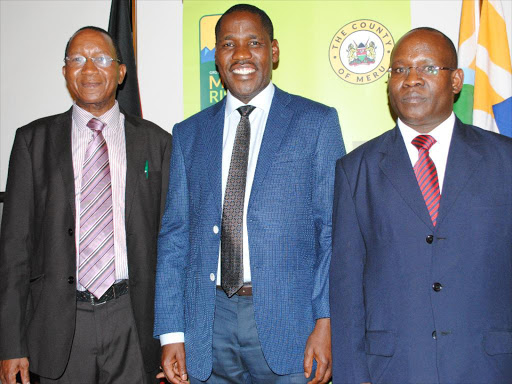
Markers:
point(438, 152)
point(258, 119)
point(114, 135)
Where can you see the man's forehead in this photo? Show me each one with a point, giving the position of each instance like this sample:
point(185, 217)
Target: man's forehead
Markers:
point(91, 36)
point(239, 19)
point(424, 42)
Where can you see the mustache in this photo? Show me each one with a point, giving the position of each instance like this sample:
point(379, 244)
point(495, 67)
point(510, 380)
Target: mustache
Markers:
point(242, 62)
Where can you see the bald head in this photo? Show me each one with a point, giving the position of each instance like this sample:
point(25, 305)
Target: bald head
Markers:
point(426, 79)
point(107, 35)
point(443, 43)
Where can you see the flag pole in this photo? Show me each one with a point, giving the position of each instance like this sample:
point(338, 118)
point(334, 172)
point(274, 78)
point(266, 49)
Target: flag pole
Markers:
point(134, 28)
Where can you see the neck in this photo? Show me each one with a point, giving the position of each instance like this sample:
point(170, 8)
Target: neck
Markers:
point(97, 109)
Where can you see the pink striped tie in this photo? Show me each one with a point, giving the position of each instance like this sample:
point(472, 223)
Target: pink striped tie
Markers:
point(426, 174)
point(96, 271)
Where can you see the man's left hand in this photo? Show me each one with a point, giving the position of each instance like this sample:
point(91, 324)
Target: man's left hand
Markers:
point(318, 347)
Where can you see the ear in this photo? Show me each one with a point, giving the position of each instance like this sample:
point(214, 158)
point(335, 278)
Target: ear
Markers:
point(275, 51)
point(64, 71)
point(457, 80)
point(122, 73)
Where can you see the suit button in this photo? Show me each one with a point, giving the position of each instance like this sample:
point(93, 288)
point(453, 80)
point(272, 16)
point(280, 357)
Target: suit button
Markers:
point(70, 231)
point(434, 335)
point(215, 229)
point(437, 287)
point(212, 277)
point(429, 239)
point(71, 279)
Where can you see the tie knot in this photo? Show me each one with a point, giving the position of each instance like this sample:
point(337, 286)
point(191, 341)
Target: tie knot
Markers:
point(246, 110)
point(96, 125)
point(423, 142)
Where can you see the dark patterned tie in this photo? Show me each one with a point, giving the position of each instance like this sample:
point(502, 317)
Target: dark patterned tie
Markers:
point(232, 272)
point(96, 271)
point(426, 174)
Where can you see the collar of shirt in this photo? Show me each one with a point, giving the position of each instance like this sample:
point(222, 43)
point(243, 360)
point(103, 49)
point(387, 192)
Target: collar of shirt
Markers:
point(111, 118)
point(439, 151)
point(262, 100)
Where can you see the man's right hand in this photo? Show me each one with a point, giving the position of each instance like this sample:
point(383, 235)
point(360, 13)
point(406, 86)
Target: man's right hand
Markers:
point(173, 364)
point(9, 369)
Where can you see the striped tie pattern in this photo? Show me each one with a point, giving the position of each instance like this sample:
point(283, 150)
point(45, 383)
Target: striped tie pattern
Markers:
point(96, 270)
point(426, 174)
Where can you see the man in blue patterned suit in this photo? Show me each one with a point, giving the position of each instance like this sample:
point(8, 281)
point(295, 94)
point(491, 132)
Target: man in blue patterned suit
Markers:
point(245, 245)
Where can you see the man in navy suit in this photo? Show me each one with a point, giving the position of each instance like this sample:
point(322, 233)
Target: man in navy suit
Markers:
point(421, 271)
point(244, 252)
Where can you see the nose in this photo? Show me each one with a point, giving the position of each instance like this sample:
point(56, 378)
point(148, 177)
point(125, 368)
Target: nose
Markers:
point(89, 66)
point(413, 78)
point(242, 52)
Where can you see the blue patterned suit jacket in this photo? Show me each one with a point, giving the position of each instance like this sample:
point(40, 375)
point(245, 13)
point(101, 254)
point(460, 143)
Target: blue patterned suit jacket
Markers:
point(288, 223)
point(390, 322)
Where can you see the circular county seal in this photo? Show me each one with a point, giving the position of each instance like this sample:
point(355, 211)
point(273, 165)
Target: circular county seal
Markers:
point(360, 51)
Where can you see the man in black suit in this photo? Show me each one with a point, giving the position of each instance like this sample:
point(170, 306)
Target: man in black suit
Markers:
point(55, 320)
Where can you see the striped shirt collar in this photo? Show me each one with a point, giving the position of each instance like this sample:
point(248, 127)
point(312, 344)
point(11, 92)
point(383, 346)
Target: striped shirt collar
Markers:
point(110, 118)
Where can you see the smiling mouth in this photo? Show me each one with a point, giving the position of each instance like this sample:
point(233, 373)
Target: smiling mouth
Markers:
point(90, 85)
point(243, 71)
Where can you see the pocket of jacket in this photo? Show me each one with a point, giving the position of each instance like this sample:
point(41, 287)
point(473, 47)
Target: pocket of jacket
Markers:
point(380, 348)
point(498, 342)
point(380, 343)
point(36, 286)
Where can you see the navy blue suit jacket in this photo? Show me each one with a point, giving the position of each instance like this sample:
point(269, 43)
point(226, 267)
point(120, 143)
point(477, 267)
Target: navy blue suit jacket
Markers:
point(389, 325)
point(288, 223)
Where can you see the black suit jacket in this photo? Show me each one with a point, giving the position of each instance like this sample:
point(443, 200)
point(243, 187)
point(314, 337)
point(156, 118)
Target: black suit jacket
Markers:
point(37, 243)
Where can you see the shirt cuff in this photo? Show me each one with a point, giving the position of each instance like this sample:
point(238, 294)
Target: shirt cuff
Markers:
point(172, 338)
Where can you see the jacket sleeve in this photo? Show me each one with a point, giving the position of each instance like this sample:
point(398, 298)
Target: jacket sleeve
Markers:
point(173, 248)
point(16, 247)
point(346, 287)
point(329, 148)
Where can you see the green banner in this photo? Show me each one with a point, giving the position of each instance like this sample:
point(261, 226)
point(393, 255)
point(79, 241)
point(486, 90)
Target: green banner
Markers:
point(334, 52)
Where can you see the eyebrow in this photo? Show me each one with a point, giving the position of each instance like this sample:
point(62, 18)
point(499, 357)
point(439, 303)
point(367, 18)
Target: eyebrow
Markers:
point(251, 37)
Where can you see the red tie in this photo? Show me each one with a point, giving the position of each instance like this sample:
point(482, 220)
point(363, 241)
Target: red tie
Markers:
point(426, 174)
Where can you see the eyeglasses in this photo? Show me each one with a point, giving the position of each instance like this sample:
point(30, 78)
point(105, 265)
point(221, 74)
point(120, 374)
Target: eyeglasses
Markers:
point(78, 61)
point(427, 70)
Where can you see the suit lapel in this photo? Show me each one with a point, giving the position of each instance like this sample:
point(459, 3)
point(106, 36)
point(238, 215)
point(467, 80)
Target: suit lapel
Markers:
point(396, 165)
point(463, 159)
point(212, 142)
point(60, 133)
point(135, 144)
point(279, 119)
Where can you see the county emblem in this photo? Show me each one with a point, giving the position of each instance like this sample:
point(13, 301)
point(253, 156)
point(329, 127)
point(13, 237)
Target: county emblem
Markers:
point(360, 51)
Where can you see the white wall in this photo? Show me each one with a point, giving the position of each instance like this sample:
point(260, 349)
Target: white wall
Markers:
point(33, 35)
point(160, 64)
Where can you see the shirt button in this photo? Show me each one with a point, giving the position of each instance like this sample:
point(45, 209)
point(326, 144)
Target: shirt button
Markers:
point(215, 229)
point(429, 239)
point(437, 287)
point(70, 231)
point(212, 276)
point(434, 335)
point(71, 279)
